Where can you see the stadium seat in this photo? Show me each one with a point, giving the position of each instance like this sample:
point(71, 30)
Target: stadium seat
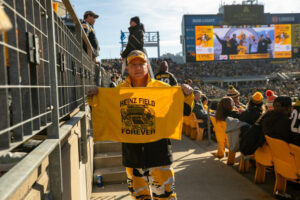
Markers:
point(244, 164)
point(200, 131)
point(222, 140)
point(295, 151)
point(184, 125)
point(263, 158)
point(284, 163)
point(193, 126)
point(187, 126)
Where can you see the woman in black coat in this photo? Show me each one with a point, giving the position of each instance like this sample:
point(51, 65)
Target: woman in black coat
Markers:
point(254, 110)
point(136, 37)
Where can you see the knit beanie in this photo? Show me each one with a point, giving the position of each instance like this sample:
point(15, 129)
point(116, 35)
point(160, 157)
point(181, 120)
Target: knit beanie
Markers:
point(163, 67)
point(257, 98)
point(284, 101)
point(270, 98)
point(135, 19)
point(232, 92)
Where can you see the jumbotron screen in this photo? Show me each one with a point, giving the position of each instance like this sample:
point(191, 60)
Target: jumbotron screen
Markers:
point(214, 43)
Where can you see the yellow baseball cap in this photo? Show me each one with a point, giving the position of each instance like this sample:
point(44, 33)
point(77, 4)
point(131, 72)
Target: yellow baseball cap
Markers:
point(136, 54)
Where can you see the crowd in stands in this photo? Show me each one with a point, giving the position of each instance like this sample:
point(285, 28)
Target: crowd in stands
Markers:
point(232, 69)
point(290, 88)
point(197, 71)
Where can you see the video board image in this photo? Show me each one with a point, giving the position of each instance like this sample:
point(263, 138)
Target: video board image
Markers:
point(214, 43)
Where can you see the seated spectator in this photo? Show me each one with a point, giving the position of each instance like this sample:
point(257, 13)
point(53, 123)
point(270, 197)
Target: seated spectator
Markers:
point(277, 123)
point(213, 104)
point(270, 99)
point(295, 125)
point(226, 109)
point(254, 110)
point(199, 110)
point(235, 95)
point(204, 101)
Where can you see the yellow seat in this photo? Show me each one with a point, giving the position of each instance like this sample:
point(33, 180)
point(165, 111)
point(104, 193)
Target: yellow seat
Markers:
point(184, 125)
point(222, 140)
point(263, 158)
point(295, 150)
point(284, 163)
point(196, 131)
point(193, 126)
point(187, 126)
point(244, 164)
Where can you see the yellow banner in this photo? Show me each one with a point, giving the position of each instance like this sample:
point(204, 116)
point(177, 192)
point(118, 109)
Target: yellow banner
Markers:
point(283, 40)
point(249, 56)
point(204, 43)
point(203, 57)
point(283, 34)
point(137, 115)
point(283, 54)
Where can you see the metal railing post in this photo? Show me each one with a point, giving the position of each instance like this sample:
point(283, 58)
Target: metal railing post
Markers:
point(83, 126)
point(55, 166)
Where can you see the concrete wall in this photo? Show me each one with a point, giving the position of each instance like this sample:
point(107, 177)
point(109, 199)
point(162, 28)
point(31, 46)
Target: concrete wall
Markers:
point(77, 177)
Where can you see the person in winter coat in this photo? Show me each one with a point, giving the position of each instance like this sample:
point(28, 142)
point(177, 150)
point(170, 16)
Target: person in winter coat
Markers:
point(235, 95)
point(295, 122)
point(164, 75)
point(254, 110)
point(135, 38)
point(226, 45)
point(199, 110)
point(277, 123)
point(263, 44)
point(88, 26)
point(270, 99)
point(225, 109)
point(148, 165)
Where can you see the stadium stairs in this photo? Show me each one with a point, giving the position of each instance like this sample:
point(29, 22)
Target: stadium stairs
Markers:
point(108, 162)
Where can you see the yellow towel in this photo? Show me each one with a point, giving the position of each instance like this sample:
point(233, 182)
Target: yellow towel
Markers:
point(137, 115)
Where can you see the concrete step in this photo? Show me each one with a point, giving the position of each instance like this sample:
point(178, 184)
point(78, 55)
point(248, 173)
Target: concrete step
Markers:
point(111, 175)
point(107, 146)
point(109, 159)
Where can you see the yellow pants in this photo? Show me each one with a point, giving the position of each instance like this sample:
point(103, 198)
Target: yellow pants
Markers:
point(160, 180)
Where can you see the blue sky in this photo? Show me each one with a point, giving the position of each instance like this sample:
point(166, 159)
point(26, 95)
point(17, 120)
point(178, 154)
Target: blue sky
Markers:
point(157, 15)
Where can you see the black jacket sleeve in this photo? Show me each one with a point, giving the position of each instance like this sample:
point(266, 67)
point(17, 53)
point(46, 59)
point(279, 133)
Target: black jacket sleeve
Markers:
point(135, 42)
point(221, 41)
point(173, 80)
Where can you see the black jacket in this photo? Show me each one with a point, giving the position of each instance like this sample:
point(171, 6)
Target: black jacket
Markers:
point(166, 77)
point(263, 45)
point(135, 39)
point(199, 111)
point(250, 115)
point(226, 46)
point(234, 45)
point(295, 123)
point(90, 32)
point(278, 125)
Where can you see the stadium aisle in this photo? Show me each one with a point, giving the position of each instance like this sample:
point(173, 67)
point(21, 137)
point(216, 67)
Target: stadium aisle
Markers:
point(199, 175)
